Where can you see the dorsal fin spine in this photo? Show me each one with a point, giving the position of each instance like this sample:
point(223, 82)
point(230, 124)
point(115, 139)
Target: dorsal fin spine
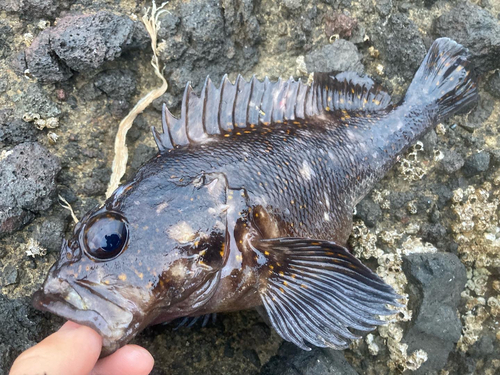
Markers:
point(220, 110)
point(166, 141)
point(247, 111)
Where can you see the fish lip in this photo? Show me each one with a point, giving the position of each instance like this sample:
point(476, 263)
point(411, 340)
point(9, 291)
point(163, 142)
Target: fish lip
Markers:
point(113, 337)
point(58, 306)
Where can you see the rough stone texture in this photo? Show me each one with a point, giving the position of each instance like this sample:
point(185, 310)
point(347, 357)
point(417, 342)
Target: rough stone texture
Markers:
point(80, 43)
point(476, 29)
point(339, 24)
point(493, 85)
point(294, 361)
point(117, 84)
point(27, 177)
point(266, 37)
point(452, 161)
point(401, 45)
point(341, 55)
point(477, 163)
point(200, 38)
point(35, 101)
point(368, 211)
point(436, 281)
point(5, 40)
point(35, 8)
point(14, 131)
point(28, 328)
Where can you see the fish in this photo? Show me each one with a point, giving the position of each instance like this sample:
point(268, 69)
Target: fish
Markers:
point(249, 204)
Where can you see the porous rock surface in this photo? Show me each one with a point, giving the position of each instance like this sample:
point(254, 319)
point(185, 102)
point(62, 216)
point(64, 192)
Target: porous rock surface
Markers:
point(79, 66)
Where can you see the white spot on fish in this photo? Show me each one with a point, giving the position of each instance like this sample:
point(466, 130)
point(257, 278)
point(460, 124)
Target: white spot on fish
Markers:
point(327, 201)
point(178, 270)
point(182, 232)
point(326, 216)
point(306, 171)
point(161, 207)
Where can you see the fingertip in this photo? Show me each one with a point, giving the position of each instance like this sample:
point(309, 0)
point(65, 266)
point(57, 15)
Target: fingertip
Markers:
point(129, 360)
point(61, 353)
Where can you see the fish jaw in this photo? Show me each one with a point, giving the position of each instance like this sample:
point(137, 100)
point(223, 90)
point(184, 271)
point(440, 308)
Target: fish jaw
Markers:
point(113, 323)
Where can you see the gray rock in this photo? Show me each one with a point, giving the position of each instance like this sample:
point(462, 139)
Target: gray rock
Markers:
point(22, 322)
point(368, 211)
point(292, 4)
point(42, 62)
point(27, 177)
point(202, 38)
point(49, 232)
point(35, 8)
point(36, 102)
point(118, 84)
point(493, 85)
point(452, 161)
point(15, 131)
point(81, 43)
point(476, 29)
point(435, 282)
point(5, 40)
point(9, 276)
point(400, 44)
point(477, 163)
point(294, 361)
point(341, 56)
point(384, 7)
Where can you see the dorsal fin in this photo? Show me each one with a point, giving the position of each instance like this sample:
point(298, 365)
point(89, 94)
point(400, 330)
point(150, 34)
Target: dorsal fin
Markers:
point(242, 104)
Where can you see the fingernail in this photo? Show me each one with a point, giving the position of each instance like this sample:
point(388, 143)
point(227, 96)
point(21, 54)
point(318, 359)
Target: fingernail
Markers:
point(69, 326)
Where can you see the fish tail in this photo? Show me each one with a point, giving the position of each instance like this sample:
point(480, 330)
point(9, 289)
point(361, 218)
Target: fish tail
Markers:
point(444, 80)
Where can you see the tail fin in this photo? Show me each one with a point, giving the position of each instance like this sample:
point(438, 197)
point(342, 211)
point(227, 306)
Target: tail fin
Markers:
point(444, 79)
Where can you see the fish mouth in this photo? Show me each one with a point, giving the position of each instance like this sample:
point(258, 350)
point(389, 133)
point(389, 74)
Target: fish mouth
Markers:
point(112, 322)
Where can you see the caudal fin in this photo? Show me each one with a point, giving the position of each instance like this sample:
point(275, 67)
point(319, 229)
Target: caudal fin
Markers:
point(444, 79)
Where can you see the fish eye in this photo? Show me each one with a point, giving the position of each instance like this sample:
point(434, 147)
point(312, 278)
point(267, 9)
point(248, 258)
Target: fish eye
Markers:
point(105, 236)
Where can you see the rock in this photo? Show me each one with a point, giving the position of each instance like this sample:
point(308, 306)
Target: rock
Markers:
point(383, 7)
point(80, 43)
point(430, 140)
point(5, 40)
point(118, 84)
point(27, 177)
point(9, 276)
point(341, 56)
point(476, 29)
point(452, 161)
point(41, 62)
point(477, 163)
point(436, 281)
point(23, 322)
point(479, 114)
point(368, 211)
point(292, 4)
point(339, 24)
point(50, 232)
point(292, 360)
point(493, 85)
point(36, 103)
point(200, 38)
point(35, 8)
point(15, 131)
point(400, 44)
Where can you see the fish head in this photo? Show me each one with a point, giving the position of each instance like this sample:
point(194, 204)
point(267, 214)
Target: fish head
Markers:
point(151, 253)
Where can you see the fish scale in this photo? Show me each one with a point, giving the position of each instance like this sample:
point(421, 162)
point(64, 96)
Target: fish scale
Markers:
point(249, 203)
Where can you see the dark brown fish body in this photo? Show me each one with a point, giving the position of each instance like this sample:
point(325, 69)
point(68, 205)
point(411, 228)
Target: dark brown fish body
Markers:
point(249, 203)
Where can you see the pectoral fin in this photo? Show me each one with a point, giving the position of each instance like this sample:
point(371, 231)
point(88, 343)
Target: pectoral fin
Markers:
point(316, 291)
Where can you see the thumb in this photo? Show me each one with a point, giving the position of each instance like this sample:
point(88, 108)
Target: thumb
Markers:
point(73, 350)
